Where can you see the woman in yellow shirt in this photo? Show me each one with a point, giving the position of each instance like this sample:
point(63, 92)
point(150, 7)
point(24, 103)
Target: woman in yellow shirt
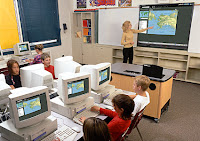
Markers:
point(127, 40)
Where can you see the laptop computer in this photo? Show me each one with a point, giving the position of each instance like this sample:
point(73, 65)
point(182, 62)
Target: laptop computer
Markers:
point(152, 71)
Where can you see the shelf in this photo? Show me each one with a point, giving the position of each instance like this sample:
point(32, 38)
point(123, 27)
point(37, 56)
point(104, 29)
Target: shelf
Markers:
point(147, 56)
point(119, 57)
point(138, 63)
point(173, 68)
point(174, 59)
point(117, 53)
point(173, 56)
point(194, 67)
point(193, 81)
point(147, 53)
point(179, 79)
point(87, 35)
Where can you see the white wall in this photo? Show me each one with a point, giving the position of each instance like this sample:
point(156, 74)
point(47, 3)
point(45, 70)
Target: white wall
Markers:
point(65, 14)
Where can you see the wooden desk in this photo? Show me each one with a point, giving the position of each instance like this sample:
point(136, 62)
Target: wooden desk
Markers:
point(158, 97)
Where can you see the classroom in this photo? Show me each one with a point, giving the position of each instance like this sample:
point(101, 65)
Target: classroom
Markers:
point(74, 70)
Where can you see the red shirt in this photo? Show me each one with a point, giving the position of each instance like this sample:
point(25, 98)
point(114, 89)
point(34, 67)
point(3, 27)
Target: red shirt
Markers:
point(50, 69)
point(117, 126)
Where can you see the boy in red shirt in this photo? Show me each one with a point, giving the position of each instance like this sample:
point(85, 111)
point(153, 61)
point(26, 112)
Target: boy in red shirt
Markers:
point(121, 117)
point(46, 60)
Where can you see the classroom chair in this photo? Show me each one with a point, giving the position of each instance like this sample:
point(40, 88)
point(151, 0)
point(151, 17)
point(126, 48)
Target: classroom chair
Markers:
point(134, 122)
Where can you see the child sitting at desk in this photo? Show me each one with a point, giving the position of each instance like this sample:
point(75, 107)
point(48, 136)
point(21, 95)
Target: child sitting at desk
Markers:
point(13, 78)
point(141, 99)
point(37, 58)
point(121, 118)
point(46, 60)
point(95, 129)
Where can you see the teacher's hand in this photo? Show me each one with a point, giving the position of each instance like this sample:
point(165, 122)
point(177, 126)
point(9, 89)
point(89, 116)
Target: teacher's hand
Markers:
point(151, 27)
point(132, 43)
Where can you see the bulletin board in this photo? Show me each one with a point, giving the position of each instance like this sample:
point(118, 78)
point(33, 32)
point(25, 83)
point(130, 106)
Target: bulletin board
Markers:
point(8, 25)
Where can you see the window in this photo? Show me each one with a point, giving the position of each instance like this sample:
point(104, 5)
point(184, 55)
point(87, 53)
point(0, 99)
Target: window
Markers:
point(40, 22)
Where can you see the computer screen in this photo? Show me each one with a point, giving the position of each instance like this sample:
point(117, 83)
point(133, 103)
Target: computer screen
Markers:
point(29, 105)
point(32, 106)
point(100, 74)
point(104, 75)
point(171, 25)
point(74, 87)
point(65, 64)
point(22, 48)
point(79, 87)
point(26, 74)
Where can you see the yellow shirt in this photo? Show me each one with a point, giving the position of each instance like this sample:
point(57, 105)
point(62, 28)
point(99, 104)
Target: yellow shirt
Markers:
point(127, 37)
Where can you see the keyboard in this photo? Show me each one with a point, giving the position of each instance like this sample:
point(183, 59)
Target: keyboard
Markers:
point(86, 113)
point(108, 100)
point(64, 133)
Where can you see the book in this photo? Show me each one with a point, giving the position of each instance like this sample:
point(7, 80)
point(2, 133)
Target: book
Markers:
point(85, 31)
point(89, 31)
point(85, 39)
point(85, 22)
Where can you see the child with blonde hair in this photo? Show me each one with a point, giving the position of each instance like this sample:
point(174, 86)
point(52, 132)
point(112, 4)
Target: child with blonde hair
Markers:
point(141, 99)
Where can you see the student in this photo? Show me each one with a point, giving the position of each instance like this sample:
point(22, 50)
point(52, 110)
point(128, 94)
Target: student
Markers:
point(95, 129)
point(13, 78)
point(37, 58)
point(121, 118)
point(141, 99)
point(46, 60)
point(127, 40)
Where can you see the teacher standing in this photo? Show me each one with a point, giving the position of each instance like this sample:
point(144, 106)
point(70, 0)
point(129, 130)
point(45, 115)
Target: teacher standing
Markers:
point(127, 40)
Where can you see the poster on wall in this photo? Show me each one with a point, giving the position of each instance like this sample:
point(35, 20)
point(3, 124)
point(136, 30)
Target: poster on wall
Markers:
point(81, 4)
point(124, 3)
point(101, 3)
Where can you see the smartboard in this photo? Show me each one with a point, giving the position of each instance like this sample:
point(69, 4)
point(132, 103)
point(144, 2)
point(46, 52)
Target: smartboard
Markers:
point(110, 24)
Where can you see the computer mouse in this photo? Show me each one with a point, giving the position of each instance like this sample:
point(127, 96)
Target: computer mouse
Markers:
point(77, 129)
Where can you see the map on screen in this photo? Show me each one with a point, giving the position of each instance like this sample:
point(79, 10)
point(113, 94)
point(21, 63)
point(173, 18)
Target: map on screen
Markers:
point(164, 22)
point(28, 106)
point(75, 87)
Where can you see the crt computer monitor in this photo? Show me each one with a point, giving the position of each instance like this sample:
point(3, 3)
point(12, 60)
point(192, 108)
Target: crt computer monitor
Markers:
point(74, 87)
point(22, 48)
point(4, 90)
point(41, 78)
point(100, 74)
point(29, 106)
point(2, 78)
point(65, 64)
point(26, 73)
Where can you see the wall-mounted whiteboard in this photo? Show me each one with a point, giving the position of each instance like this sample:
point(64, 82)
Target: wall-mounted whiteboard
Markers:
point(110, 24)
point(194, 41)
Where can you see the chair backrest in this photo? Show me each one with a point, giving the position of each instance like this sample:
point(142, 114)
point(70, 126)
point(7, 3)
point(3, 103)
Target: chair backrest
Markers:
point(136, 119)
point(134, 122)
